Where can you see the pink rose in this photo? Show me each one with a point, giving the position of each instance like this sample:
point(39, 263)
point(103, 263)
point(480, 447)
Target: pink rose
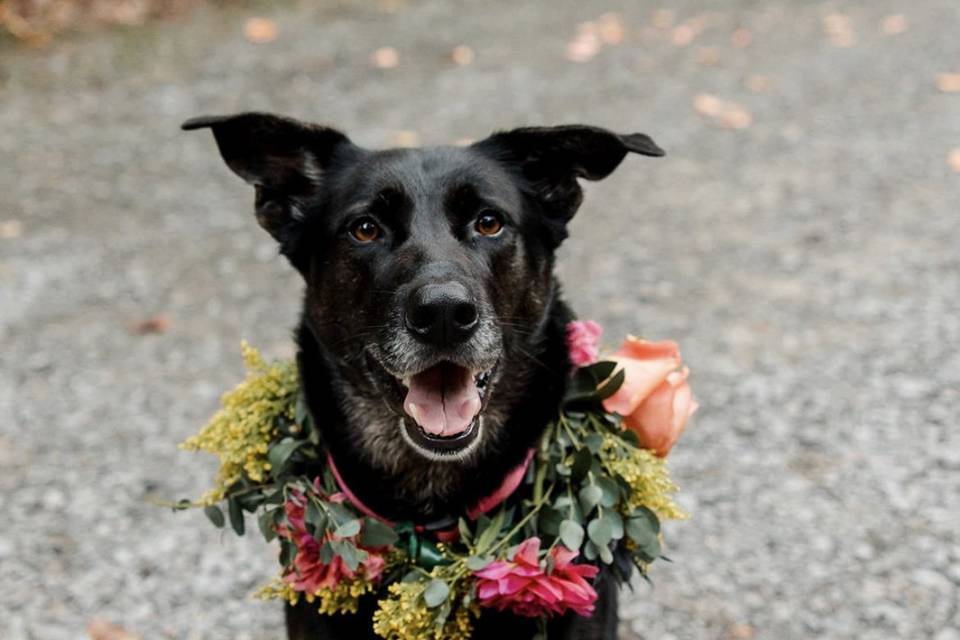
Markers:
point(583, 341)
point(309, 574)
point(655, 400)
point(524, 586)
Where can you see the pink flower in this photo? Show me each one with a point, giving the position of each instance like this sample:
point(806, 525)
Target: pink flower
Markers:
point(309, 574)
point(655, 399)
point(525, 587)
point(583, 341)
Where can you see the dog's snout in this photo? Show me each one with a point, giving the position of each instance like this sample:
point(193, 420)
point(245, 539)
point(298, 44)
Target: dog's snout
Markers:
point(442, 314)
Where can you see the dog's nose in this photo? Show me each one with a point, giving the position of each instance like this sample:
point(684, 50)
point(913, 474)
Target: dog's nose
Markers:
point(442, 314)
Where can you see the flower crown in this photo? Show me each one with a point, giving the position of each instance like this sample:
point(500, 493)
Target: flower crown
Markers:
point(590, 495)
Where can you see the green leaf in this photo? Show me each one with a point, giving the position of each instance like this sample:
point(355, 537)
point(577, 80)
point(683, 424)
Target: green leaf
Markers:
point(610, 489)
point(348, 529)
point(590, 551)
point(265, 522)
point(436, 593)
point(605, 554)
point(548, 521)
point(288, 551)
point(571, 534)
point(300, 412)
point(315, 516)
point(582, 461)
point(616, 523)
point(349, 553)
point(215, 515)
point(594, 441)
point(600, 532)
point(476, 563)
point(464, 529)
point(340, 513)
point(643, 529)
point(610, 386)
point(236, 515)
point(602, 370)
point(490, 532)
point(377, 534)
point(590, 496)
point(280, 453)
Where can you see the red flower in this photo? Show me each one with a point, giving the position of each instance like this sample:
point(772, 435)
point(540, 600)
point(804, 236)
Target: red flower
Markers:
point(524, 587)
point(583, 341)
point(308, 573)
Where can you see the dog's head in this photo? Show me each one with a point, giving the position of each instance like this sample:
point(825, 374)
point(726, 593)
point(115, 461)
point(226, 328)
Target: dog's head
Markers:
point(428, 271)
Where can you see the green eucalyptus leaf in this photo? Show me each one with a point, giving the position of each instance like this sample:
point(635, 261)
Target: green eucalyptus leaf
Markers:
point(593, 441)
point(582, 460)
point(340, 514)
point(288, 551)
point(464, 529)
point(265, 522)
point(279, 454)
point(315, 516)
point(436, 593)
point(571, 534)
point(610, 489)
point(605, 554)
point(377, 534)
point(236, 515)
point(476, 563)
point(590, 497)
point(348, 529)
point(215, 515)
point(590, 551)
point(600, 531)
point(616, 524)
point(548, 520)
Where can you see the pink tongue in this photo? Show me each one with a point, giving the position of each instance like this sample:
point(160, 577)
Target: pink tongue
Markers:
point(443, 400)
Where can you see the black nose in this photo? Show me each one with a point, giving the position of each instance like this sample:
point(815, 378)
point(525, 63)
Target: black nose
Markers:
point(442, 314)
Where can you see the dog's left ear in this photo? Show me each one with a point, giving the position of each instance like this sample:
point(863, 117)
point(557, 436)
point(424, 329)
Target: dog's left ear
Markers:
point(285, 160)
point(552, 158)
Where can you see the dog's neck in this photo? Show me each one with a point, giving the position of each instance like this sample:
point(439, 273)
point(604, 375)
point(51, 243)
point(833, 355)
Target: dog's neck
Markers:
point(401, 485)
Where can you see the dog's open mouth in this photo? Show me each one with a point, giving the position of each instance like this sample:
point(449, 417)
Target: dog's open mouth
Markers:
point(444, 403)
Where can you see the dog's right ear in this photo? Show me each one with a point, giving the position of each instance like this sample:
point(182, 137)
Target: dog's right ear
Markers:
point(285, 160)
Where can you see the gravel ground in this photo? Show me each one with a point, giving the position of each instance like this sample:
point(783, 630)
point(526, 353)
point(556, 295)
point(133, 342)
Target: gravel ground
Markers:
point(807, 263)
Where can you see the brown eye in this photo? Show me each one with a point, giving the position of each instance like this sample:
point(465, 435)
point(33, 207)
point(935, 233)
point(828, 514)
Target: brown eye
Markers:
point(365, 230)
point(489, 223)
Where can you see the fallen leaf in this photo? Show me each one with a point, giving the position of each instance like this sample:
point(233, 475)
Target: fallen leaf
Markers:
point(585, 44)
point(758, 83)
point(100, 629)
point(462, 55)
point(708, 105)
point(741, 38)
point(405, 138)
point(840, 30)
point(894, 25)
point(260, 30)
point(741, 632)
point(708, 56)
point(683, 35)
point(385, 58)
point(949, 82)
point(610, 28)
point(157, 324)
point(729, 115)
point(10, 229)
point(954, 160)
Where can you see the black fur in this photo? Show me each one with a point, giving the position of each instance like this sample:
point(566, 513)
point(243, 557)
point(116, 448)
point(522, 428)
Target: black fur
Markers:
point(313, 187)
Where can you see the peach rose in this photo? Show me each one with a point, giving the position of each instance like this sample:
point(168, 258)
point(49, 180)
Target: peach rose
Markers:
point(654, 399)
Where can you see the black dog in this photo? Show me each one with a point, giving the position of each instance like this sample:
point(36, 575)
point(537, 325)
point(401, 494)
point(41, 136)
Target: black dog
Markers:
point(431, 342)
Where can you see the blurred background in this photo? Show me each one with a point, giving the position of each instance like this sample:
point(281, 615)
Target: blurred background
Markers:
point(800, 240)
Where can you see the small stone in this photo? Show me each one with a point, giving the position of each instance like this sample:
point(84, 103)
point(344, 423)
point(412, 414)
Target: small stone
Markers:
point(385, 58)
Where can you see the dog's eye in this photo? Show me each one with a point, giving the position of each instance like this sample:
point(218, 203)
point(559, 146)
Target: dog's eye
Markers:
point(365, 230)
point(489, 223)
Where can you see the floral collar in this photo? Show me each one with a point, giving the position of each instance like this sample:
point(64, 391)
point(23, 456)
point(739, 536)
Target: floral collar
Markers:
point(591, 496)
point(444, 530)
